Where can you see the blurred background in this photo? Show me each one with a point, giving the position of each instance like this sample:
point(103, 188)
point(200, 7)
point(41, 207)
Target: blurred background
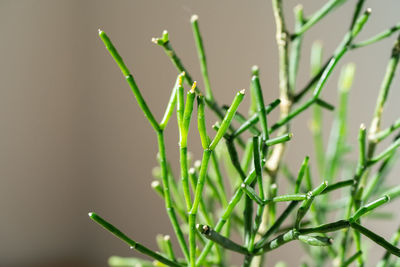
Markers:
point(72, 137)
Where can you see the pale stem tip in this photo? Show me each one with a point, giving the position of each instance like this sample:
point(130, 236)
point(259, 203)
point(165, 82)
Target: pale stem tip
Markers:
point(180, 80)
point(167, 237)
point(368, 11)
point(90, 214)
point(194, 18)
point(243, 185)
point(154, 40)
point(255, 70)
point(165, 32)
point(290, 135)
point(192, 171)
point(155, 184)
point(362, 127)
point(100, 31)
point(242, 91)
point(197, 164)
point(193, 87)
point(298, 7)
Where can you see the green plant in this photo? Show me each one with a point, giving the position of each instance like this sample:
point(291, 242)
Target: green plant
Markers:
point(254, 178)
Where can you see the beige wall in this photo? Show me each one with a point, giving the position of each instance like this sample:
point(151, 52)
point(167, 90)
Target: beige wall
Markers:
point(72, 138)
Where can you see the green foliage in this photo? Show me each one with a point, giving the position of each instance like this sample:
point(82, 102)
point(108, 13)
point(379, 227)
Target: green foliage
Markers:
point(204, 220)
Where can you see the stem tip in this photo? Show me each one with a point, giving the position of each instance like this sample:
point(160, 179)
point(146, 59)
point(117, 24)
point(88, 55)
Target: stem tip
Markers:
point(193, 87)
point(155, 184)
point(194, 18)
point(255, 70)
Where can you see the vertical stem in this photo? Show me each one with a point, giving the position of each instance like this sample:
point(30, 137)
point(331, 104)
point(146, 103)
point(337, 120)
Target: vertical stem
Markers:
point(295, 48)
point(167, 196)
point(337, 139)
point(316, 123)
point(202, 57)
point(196, 202)
point(383, 93)
point(272, 164)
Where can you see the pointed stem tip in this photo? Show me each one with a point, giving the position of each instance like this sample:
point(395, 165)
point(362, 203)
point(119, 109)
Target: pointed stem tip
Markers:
point(192, 90)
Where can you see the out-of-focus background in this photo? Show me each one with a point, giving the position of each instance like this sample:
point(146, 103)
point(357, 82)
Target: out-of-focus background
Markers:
point(73, 140)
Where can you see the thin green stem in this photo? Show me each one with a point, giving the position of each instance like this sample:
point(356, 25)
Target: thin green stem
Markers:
point(327, 69)
point(282, 198)
point(254, 119)
point(326, 228)
point(317, 16)
point(305, 206)
point(377, 180)
point(260, 208)
point(203, 208)
point(380, 36)
point(275, 226)
point(384, 262)
point(369, 207)
point(337, 185)
point(171, 102)
point(169, 248)
point(381, 135)
point(221, 240)
point(383, 94)
point(352, 259)
point(202, 56)
point(376, 238)
point(323, 104)
point(316, 123)
point(201, 124)
point(115, 261)
point(184, 113)
point(129, 78)
point(219, 180)
point(300, 175)
point(165, 43)
point(262, 115)
point(393, 192)
point(384, 154)
point(280, 139)
point(196, 202)
point(167, 196)
point(227, 119)
point(295, 50)
point(133, 244)
point(337, 139)
point(225, 216)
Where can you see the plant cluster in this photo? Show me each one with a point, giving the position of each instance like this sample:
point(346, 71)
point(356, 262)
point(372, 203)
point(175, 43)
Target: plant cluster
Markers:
point(246, 201)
